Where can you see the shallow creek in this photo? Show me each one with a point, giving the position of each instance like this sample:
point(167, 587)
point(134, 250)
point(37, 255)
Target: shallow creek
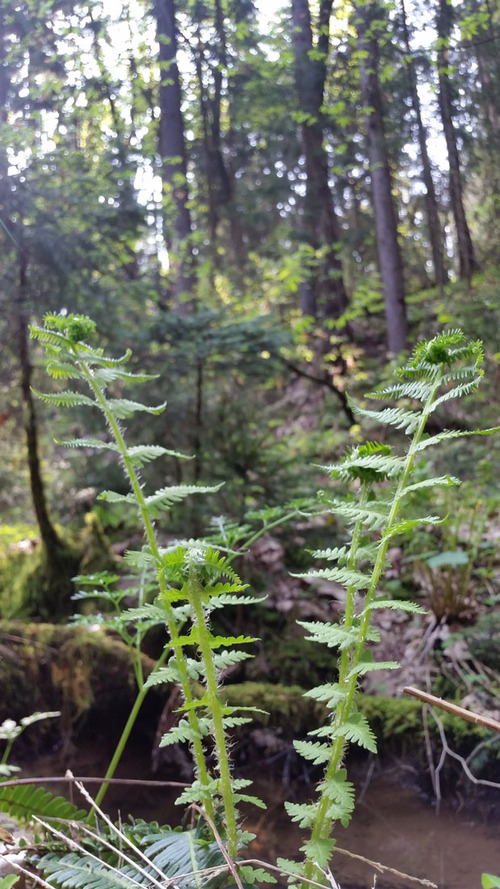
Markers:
point(392, 825)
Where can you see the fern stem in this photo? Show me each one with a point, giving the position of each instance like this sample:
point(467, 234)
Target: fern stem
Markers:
point(348, 677)
point(215, 707)
point(117, 755)
point(153, 546)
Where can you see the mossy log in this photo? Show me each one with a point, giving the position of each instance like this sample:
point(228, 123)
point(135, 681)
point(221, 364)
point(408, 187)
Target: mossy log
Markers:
point(85, 674)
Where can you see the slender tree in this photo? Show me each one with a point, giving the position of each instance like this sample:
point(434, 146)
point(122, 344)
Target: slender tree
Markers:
point(173, 159)
point(433, 220)
point(466, 255)
point(322, 293)
point(367, 19)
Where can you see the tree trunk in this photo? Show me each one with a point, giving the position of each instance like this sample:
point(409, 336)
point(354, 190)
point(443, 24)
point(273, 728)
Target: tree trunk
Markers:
point(433, 221)
point(386, 229)
point(173, 158)
point(322, 293)
point(48, 533)
point(466, 256)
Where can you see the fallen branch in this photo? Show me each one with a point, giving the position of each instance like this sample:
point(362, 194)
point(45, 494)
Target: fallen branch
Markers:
point(454, 709)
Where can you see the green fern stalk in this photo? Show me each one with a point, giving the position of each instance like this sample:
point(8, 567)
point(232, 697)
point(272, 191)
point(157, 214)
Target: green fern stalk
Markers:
point(441, 369)
point(216, 709)
point(70, 358)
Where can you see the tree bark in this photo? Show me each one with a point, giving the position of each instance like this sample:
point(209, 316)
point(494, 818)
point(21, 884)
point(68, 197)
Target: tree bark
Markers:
point(322, 292)
point(433, 221)
point(386, 228)
point(466, 256)
point(173, 158)
point(48, 534)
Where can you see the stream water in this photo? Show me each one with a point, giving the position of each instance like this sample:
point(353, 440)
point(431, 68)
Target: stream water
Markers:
point(392, 824)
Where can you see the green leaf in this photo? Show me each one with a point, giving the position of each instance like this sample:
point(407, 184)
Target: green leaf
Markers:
point(408, 525)
point(252, 875)
point(25, 801)
point(303, 813)
point(320, 851)
point(357, 730)
point(314, 751)
point(344, 576)
point(8, 881)
point(180, 733)
point(69, 398)
point(448, 559)
point(330, 693)
point(395, 416)
point(488, 881)
point(369, 665)
point(332, 635)
point(394, 605)
point(122, 408)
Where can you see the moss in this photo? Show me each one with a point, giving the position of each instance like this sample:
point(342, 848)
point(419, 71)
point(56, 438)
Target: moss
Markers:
point(96, 552)
point(285, 706)
point(30, 585)
point(34, 586)
point(397, 722)
point(71, 669)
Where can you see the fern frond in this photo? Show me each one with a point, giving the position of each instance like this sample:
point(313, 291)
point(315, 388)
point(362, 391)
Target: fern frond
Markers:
point(199, 792)
point(96, 443)
point(224, 659)
point(372, 467)
point(402, 419)
point(115, 497)
point(319, 851)
point(395, 605)
point(443, 481)
point(330, 693)
point(407, 525)
point(227, 599)
point(217, 641)
point(180, 733)
point(465, 388)
point(314, 751)
point(165, 498)
point(142, 454)
point(373, 515)
point(332, 635)
point(25, 801)
point(335, 554)
point(339, 790)
point(123, 408)
point(303, 813)
point(69, 398)
point(354, 579)
point(447, 435)
point(368, 666)
point(356, 729)
point(107, 374)
point(418, 389)
point(76, 871)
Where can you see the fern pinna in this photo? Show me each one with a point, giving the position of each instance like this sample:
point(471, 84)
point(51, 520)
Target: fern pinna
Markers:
point(441, 369)
point(189, 580)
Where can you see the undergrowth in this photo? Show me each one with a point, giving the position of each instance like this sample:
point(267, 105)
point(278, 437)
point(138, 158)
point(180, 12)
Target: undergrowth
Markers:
point(180, 587)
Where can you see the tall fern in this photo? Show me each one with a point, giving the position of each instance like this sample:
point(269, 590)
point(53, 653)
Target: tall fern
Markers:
point(382, 486)
point(191, 581)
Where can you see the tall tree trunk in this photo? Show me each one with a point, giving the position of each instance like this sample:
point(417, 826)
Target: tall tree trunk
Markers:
point(466, 256)
point(433, 221)
point(48, 533)
point(322, 293)
point(173, 157)
point(386, 229)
